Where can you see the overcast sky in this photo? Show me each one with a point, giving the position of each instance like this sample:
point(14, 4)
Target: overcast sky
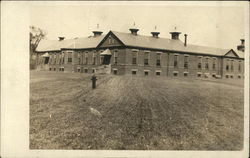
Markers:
point(216, 26)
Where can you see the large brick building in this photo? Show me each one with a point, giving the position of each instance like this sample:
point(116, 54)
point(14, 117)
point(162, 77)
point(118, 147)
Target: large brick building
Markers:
point(130, 53)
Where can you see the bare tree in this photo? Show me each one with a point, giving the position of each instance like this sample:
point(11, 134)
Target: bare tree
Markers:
point(36, 35)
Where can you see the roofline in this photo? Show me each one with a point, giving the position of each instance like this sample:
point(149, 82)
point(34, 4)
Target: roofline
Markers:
point(107, 35)
point(137, 47)
point(175, 51)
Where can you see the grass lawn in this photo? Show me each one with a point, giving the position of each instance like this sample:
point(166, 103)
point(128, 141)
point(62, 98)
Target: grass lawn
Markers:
point(134, 113)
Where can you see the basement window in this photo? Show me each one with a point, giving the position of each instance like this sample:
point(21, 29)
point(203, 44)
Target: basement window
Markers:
point(54, 69)
point(145, 73)
point(239, 76)
point(115, 72)
point(50, 69)
point(199, 75)
point(133, 72)
point(227, 76)
point(175, 73)
point(62, 69)
point(158, 73)
point(93, 70)
point(78, 69)
point(185, 74)
point(232, 76)
point(86, 70)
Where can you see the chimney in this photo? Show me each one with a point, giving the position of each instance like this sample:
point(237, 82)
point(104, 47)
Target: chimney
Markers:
point(175, 35)
point(241, 47)
point(242, 41)
point(61, 38)
point(97, 32)
point(185, 42)
point(134, 30)
point(155, 33)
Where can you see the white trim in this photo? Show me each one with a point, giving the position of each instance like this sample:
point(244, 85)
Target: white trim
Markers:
point(186, 55)
point(185, 72)
point(175, 54)
point(158, 52)
point(134, 69)
point(115, 69)
point(147, 51)
point(176, 72)
point(146, 70)
point(158, 71)
point(135, 50)
point(199, 73)
point(200, 56)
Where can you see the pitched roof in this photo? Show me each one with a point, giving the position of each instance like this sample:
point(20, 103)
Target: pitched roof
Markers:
point(77, 43)
point(53, 45)
point(86, 42)
point(166, 44)
point(240, 54)
point(133, 40)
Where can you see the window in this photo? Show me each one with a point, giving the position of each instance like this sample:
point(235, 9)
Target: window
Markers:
point(185, 74)
point(50, 59)
point(134, 58)
point(62, 58)
point(214, 65)
point(232, 65)
point(232, 76)
point(79, 58)
point(62, 68)
point(93, 70)
point(86, 70)
point(199, 62)
point(227, 65)
point(158, 73)
point(158, 59)
point(110, 41)
point(145, 73)
point(133, 72)
point(206, 64)
point(175, 73)
point(213, 75)
point(78, 70)
point(86, 59)
point(115, 57)
point(239, 68)
point(239, 76)
point(227, 76)
point(186, 62)
point(115, 72)
point(199, 75)
point(176, 61)
point(55, 58)
point(54, 69)
point(50, 69)
point(146, 57)
point(94, 60)
point(69, 57)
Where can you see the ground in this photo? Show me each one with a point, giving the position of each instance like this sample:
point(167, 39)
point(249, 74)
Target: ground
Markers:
point(134, 113)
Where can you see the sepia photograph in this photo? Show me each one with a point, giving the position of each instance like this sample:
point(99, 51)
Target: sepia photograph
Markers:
point(137, 76)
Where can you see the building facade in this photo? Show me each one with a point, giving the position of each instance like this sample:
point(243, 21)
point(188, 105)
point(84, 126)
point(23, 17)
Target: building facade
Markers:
point(133, 54)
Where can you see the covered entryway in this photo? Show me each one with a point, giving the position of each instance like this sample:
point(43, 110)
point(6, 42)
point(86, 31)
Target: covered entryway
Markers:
point(105, 57)
point(46, 58)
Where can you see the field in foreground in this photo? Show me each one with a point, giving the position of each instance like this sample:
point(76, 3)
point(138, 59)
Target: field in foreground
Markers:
point(134, 113)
